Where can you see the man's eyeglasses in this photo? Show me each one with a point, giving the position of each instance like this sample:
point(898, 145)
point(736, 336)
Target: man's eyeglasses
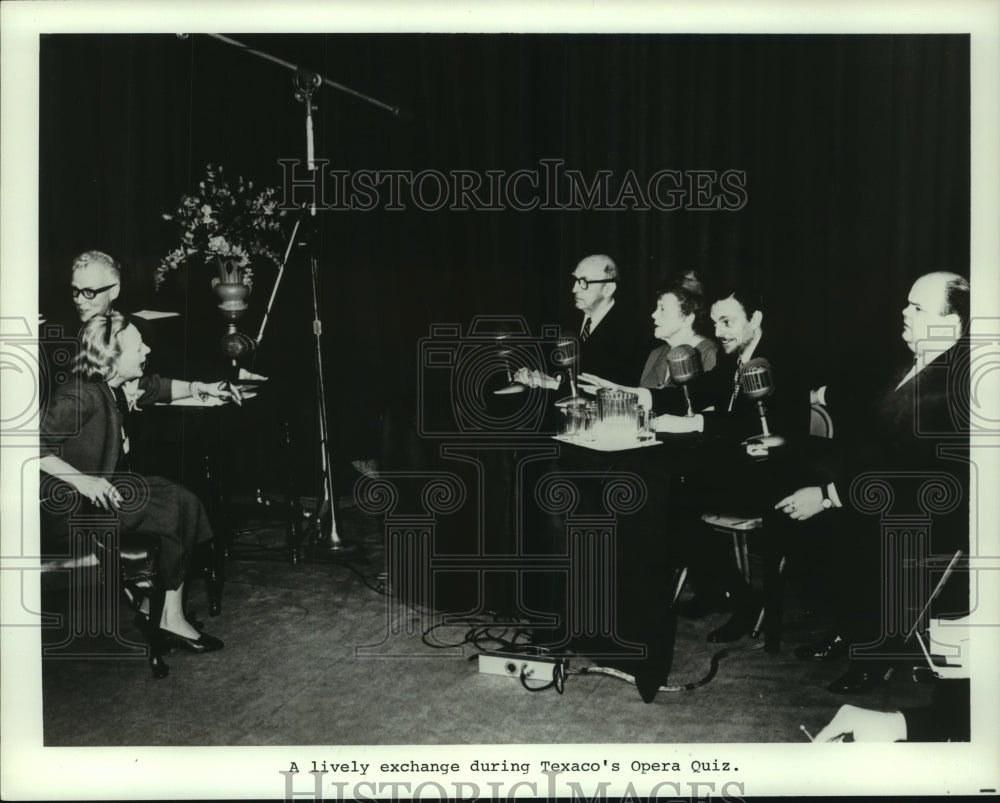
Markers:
point(89, 293)
point(585, 283)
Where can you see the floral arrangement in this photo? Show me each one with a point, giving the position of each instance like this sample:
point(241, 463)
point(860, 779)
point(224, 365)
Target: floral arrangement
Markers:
point(226, 224)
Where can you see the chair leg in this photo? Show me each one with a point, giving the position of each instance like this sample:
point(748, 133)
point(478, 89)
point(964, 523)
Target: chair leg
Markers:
point(679, 586)
point(139, 565)
point(156, 663)
point(745, 557)
point(774, 576)
point(211, 558)
point(215, 578)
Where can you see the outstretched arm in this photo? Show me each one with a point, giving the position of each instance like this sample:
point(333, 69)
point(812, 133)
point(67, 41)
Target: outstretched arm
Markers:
point(535, 379)
point(180, 389)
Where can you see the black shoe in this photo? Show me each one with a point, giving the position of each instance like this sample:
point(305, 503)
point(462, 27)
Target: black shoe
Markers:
point(204, 643)
point(823, 650)
point(859, 678)
point(740, 624)
point(698, 607)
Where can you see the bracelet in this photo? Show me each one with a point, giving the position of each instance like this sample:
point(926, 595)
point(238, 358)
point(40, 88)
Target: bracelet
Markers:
point(198, 394)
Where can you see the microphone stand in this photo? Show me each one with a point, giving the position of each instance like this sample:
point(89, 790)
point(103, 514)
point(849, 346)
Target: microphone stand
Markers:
point(568, 355)
point(762, 411)
point(755, 380)
point(765, 439)
point(305, 85)
point(687, 398)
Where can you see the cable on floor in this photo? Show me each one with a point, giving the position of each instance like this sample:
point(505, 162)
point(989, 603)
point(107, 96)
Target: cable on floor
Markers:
point(490, 634)
point(560, 671)
point(712, 670)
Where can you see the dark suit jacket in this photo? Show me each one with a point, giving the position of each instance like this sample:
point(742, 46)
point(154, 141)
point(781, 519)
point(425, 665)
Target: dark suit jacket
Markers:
point(904, 428)
point(920, 429)
point(615, 349)
point(83, 425)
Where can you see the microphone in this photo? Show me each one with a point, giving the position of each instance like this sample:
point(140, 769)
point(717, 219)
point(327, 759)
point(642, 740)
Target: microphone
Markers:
point(756, 380)
point(757, 383)
point(684, 363)
point(503, 352)
point(567, 354)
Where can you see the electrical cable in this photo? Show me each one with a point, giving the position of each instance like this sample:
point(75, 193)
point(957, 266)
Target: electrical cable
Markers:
point(559, 674)
point(712, 670)
point(481, 633)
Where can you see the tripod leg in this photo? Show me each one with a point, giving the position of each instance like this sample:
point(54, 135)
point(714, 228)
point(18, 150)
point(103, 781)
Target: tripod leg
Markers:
point(332, 541)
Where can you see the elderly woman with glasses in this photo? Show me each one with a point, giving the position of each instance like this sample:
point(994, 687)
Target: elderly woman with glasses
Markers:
point(83, 443)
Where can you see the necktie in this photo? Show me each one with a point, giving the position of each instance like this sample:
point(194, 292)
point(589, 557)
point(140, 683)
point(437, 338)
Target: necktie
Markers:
point(736, 388)
point(585, 332)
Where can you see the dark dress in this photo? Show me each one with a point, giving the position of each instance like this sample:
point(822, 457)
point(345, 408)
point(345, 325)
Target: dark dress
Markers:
point(83, 426)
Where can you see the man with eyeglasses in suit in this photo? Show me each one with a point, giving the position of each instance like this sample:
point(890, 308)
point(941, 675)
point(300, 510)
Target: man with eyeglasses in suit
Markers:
point(611, 345)
point(95, 284)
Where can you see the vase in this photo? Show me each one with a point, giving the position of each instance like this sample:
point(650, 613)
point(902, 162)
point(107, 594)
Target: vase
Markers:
point(231, 290)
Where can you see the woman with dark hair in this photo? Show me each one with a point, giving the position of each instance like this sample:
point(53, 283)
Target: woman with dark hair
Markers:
point(678, 319)
point(83, 443)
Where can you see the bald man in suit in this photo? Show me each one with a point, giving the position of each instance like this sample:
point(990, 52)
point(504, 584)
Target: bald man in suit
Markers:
point(914, 423)
point(611, 344)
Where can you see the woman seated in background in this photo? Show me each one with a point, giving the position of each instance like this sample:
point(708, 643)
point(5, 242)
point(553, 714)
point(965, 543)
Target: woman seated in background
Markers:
point(83, 443)
point(678, 319)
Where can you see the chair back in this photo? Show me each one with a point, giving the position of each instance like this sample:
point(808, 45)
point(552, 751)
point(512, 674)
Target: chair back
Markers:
point(820, 423)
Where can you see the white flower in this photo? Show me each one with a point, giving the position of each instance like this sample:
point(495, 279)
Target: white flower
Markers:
point(219, 245)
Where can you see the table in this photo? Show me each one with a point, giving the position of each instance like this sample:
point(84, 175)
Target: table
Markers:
point(620, 518)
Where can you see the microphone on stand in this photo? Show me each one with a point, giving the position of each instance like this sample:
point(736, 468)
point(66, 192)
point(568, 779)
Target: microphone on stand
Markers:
point(567, 354)
point(757, 383)
point(684, 363)
point(504, 351)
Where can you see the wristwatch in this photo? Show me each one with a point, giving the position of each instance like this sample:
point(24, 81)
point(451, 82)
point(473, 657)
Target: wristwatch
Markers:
point(827, 501)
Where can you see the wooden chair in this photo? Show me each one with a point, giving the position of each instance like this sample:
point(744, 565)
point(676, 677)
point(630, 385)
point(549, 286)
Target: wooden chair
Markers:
point(75, 535)
point(739, 529)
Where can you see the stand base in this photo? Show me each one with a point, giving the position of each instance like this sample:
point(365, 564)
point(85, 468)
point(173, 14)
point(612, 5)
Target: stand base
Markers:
point(767, 441)
point(513, 387)
point(761, 445)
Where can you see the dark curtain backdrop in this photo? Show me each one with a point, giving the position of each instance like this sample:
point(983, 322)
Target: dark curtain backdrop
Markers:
point(856, 152)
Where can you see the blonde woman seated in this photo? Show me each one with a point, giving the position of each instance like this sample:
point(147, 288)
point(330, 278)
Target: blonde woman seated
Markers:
point(676, 319)
point(83, 443)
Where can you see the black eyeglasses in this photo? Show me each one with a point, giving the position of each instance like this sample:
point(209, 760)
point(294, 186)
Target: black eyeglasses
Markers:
point(89, 292)
point(585, 283)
